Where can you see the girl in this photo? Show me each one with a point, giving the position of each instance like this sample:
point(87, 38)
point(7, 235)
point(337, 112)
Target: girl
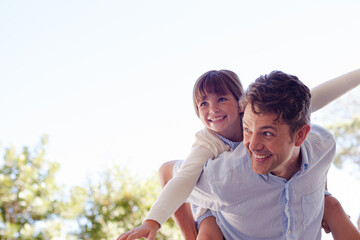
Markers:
point(215, 95)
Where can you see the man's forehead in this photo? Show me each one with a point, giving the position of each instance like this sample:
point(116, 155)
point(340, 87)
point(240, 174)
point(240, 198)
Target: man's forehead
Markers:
point(269, 119)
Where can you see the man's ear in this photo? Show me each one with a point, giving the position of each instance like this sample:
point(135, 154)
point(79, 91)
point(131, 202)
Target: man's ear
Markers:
point(301, 134)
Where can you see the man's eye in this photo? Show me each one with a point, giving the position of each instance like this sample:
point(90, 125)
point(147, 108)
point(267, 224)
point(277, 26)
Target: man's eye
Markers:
point(267, 134)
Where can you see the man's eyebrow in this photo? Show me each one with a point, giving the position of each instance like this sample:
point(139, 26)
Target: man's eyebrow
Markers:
point(264, 127)
point(268, 127)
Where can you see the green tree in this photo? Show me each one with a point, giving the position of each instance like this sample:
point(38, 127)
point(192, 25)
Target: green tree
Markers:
point(31, 203)
point(347, 135)
point(118, 202)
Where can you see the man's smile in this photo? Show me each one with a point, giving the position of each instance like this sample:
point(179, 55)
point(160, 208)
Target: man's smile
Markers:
point(262, 158)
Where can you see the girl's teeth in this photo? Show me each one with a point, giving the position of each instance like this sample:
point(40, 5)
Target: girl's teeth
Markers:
point(215, 119)
point(264, 156)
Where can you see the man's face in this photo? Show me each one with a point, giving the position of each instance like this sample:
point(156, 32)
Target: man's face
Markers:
point(270, 145)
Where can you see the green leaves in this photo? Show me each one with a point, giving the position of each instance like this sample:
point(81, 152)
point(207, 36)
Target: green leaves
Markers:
point(27, 195)
point(347, 136)
point(33, 206)
point(118, 202)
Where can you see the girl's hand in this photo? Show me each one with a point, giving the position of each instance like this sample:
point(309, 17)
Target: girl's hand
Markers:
point(147, 230)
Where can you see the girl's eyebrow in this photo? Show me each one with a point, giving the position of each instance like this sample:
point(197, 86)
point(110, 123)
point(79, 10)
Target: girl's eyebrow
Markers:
point(204, 97)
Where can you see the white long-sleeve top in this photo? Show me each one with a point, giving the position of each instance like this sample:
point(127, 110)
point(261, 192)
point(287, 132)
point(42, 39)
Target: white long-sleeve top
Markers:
point(208, 146)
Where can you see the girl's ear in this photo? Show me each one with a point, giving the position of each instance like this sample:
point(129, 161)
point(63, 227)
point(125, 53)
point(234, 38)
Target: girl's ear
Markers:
point(301, 134)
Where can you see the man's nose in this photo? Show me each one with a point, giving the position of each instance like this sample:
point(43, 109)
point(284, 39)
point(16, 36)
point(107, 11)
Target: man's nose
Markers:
point(255, 143)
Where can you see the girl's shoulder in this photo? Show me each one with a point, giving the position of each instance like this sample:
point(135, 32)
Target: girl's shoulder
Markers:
point(207, 135)
point(208, 139)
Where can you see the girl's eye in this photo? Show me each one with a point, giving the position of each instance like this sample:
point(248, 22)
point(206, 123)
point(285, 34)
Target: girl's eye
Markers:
point(203, 104)
point(222, 99)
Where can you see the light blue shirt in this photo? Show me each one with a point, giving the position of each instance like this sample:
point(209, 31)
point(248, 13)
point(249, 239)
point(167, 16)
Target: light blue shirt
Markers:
point(252, 206)
point(231, 144)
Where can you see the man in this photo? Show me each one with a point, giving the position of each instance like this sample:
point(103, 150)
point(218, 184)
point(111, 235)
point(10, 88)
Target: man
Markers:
point(283, 196)
point(273, 189)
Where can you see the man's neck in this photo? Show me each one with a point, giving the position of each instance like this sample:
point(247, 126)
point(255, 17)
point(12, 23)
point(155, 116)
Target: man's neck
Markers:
point(293, 165)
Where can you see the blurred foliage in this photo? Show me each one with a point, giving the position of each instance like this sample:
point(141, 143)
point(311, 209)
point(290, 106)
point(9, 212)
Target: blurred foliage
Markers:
point(347, 136)
point(346, 132)
point(118, 202)
point(31, 206)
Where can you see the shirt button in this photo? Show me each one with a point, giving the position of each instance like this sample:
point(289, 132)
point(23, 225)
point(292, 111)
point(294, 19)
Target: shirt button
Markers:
point(288, 232)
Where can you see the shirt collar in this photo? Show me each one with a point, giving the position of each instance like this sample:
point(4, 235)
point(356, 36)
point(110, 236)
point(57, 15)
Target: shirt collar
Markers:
point(228, 142)
point(304, 159)
point(304, 165)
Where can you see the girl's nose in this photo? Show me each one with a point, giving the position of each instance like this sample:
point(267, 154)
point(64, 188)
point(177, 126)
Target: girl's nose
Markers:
point(214, 108)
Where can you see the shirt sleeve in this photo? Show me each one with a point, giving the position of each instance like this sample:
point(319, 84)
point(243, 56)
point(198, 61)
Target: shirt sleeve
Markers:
point(177, 190)
point(204, 195)
point(328, 91)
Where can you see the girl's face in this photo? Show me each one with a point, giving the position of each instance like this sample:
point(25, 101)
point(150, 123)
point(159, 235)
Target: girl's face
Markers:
point(220, 113)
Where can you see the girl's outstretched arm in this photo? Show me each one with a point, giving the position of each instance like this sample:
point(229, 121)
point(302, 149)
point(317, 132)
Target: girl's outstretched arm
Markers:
point(328, 91)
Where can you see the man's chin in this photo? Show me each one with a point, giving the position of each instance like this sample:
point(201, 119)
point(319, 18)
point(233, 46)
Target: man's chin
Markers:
point(259, 169)
point(261, 172)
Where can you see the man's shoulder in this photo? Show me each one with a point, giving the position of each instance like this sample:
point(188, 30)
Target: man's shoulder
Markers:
point(318, 134)
point(319, 144)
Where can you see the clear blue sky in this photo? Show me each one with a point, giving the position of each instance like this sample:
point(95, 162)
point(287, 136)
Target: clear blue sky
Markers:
point(111, 81)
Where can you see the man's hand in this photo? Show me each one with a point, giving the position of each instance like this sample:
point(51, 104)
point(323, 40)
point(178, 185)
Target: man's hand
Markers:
point(147, 230)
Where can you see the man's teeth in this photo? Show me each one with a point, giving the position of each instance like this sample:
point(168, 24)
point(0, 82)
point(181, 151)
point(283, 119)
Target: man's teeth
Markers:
point(262, 156)
point(216, 119)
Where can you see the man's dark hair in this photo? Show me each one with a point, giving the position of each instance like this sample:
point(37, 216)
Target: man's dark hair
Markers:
point(280, 93)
